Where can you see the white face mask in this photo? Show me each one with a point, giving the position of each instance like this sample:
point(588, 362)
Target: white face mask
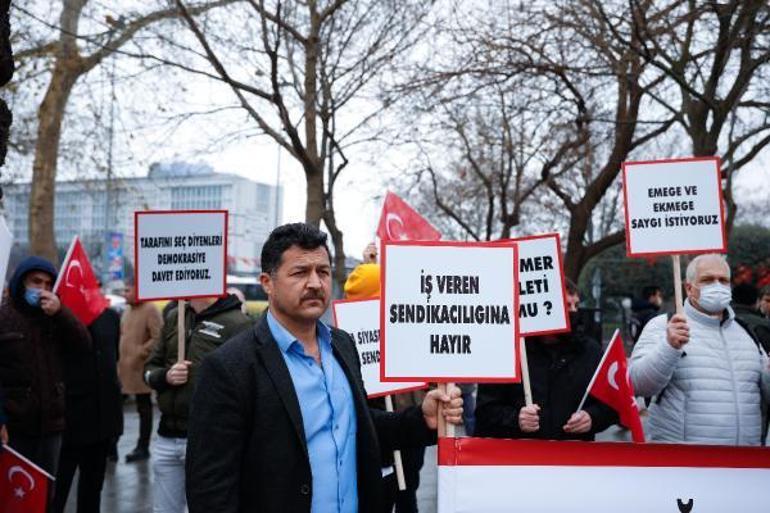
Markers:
point(715, 297)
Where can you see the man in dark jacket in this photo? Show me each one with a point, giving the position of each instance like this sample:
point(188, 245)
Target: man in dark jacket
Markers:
point(644, 308)
point(279, 419)
point(560, 368)
point(209, 323)
point(745, 299)
point(36, 332)
point(94, 415)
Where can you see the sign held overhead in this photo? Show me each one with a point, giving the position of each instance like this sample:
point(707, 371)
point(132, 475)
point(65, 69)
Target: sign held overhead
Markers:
point(180, 254)
point(673, 207)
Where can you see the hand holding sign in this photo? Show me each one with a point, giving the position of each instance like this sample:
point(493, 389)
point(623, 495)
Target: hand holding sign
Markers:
point(529, 418)
point(677, 331)
point(451, 406)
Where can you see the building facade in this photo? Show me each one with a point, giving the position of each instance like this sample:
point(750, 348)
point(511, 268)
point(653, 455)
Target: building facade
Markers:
point(81, 209)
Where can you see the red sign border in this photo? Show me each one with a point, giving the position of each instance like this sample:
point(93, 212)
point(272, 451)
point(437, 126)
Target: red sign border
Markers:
point(507, 452)
point(568, 329)
point(379, 394)
point(722, 249)
point(137, 213)
point(514, 315)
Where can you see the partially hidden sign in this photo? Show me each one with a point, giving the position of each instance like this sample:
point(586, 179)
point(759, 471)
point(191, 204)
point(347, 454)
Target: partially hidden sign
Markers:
point(517, 476)
point(542, 294)
point(180, 254)
point(361, 319)
point(449, 312)
point(673, 207)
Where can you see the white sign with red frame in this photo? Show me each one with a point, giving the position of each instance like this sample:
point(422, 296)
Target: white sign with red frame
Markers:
point(361, 319)
point(673, 207)
point(180, 254)
point(510, 476)
point(449, 312)
point(542, 292)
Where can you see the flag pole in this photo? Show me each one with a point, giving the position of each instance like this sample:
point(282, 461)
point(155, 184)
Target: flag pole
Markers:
point(66, 259)
point(596, 372)
point(525, 373)
point(397, 462)
point(678, 283)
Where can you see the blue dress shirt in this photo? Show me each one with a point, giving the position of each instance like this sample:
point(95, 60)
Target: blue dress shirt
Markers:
point(328, 416)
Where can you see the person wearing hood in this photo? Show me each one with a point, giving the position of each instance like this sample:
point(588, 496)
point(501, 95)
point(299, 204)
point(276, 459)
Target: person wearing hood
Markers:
point(645, 308)
point(560, 369)
point(36, 333)
point(139, 333)
point(209, 323)
point(708, 376)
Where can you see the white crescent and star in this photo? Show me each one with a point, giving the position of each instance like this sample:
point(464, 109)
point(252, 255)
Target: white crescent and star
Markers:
point(395, 218)
point(19, 470)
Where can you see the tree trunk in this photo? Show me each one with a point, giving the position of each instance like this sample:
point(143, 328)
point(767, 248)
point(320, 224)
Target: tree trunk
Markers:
point(340, 273)
point(41, 200)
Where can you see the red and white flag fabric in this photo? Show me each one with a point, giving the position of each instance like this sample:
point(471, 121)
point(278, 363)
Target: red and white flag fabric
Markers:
point(611, 385)
point(23, 485)
point(77, 286)
point(399, 221)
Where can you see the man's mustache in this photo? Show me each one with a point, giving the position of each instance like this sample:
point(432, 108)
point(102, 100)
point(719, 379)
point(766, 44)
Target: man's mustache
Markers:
point(313, 295)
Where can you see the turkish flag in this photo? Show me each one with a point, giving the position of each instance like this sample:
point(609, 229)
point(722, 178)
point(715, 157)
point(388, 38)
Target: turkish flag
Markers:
point(23, 485)
point(399, 221)
point(611, 385)
point(77, 286)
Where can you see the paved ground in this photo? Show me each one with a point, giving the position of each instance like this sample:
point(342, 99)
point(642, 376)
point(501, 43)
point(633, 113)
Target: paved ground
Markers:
point(128, 487)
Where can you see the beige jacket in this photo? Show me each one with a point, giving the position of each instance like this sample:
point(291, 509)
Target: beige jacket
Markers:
point(139, 332)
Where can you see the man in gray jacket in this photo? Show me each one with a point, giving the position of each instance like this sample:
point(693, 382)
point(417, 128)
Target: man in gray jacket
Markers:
point(708, 375)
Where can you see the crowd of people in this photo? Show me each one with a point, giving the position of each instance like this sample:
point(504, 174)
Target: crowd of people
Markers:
point(271, 414)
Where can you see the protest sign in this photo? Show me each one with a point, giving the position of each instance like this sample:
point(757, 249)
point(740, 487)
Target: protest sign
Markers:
point(449, 312)
point(180, 254)
point(361, 319)
point(673, 207)
point(496, 476)
point(542, 294)
point(6, 240)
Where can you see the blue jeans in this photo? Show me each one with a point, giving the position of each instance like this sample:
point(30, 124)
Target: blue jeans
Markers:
point(168, 491)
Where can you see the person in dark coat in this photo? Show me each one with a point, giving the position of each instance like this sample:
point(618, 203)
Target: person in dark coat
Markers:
point(36, 333)
point(279, 420)
point(560, 369)
point(644, 308)
point(94, 415)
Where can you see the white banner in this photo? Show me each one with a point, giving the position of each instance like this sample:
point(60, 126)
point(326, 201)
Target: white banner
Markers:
point(509, 476)
point(542, 296)
point(673, 207)
point(362, 320)
point(449, 312)
point(180, 254)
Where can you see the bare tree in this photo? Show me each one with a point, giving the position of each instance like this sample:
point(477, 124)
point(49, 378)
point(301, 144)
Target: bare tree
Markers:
point(311, 85)
point(69, 55)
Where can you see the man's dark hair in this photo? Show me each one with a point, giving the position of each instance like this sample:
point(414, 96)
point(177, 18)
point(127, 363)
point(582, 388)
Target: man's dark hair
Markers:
point(745, 294)
point(649, 291)
point(571, 287)
point(282, 238)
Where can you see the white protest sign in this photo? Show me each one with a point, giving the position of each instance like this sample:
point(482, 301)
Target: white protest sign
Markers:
point(673, 207)
point(517, 476)
point(361, 318)
point(449, 312)
point(6, 240)
point(542, 295)
point(180, 254)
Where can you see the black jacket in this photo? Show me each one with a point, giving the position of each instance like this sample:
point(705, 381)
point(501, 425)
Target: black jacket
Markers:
point(559, 375)
point(246, 449)
point(94, 406)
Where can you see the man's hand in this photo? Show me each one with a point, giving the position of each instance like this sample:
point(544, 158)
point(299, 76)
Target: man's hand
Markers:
point(451, 406)
point(370, 253)
point(529, 418)
point(4, 435)
point(579, 422)
point(49, 302)
point(677, 331)
point(178, 373)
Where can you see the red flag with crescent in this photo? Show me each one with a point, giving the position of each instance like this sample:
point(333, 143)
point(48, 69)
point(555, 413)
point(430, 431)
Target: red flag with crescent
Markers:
point(77, 286)
point(23, 485)
point(399, 221)
point(612, 386)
